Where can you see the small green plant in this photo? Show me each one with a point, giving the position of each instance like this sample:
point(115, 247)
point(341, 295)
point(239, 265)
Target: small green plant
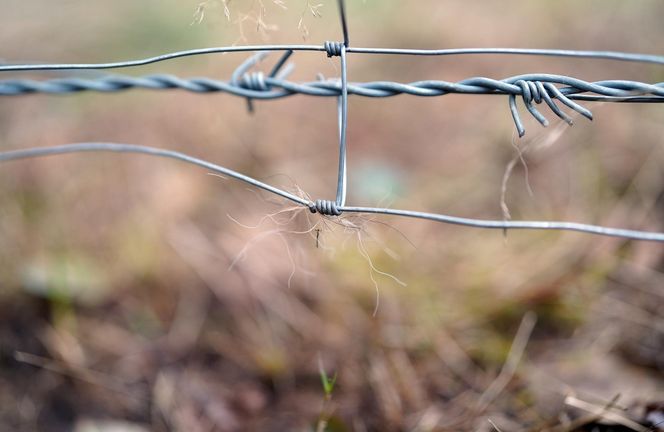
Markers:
point(328, 383)
point(328, 387)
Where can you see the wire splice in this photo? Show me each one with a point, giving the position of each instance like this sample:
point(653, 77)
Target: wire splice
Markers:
point(333, 49)
point(324, 207)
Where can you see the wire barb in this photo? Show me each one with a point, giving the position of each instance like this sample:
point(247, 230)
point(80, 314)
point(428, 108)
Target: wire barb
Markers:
point(254, 81)
point(536, 91)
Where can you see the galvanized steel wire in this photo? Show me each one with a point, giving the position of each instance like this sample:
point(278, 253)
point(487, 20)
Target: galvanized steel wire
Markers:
point(327, 207)
point(599, 55)
point(532, 89)
point(257, 86)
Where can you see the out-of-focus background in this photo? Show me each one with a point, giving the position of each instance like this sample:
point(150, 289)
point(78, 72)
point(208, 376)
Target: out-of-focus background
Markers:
point(143, 294)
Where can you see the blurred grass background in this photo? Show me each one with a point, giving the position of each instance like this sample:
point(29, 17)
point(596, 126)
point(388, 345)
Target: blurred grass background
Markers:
point(130, 299)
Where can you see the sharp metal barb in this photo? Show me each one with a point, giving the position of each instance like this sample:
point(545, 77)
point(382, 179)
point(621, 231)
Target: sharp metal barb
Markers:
point(515, 116)
point(255, 81)
point(246, 65)
point(329, 208)
point(566, 100)
point(552, 105)
point(242, 71)
point(282, 61)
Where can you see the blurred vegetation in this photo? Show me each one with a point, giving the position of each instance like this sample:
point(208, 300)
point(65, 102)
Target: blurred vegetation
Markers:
point(135, 295)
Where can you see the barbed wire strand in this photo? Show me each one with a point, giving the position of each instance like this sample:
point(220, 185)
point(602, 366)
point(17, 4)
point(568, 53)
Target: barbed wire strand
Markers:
point(532, 88)
point(329, 208)
point(606, 90)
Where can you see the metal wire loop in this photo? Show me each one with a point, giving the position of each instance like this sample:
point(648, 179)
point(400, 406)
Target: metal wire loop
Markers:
point(324, 207)
point(333, 49)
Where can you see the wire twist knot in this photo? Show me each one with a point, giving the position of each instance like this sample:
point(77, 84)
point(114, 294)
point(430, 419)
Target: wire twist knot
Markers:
point(532, 91)
point(333, 48)
point(324, 207)
point(254, 81)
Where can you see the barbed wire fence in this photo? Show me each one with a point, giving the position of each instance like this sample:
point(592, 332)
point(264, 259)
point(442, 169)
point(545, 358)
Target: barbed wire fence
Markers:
point(532, 89)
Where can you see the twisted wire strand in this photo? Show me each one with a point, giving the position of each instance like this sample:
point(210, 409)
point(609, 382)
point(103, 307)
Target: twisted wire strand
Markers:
point(276, 88)
point(531, 88)
point(600, 55)
point(325, 207)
